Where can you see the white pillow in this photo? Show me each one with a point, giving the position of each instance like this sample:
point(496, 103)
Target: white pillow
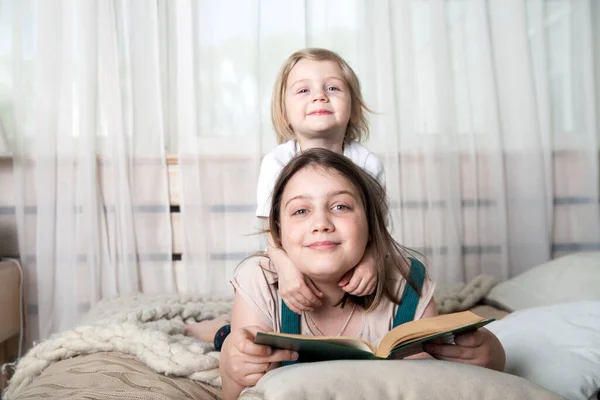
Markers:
point(557, 347)
point(392, 379)
point(571, 278)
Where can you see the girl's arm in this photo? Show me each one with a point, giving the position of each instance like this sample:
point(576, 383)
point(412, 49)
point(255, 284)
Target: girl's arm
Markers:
point(298, 292)
point(243, 362)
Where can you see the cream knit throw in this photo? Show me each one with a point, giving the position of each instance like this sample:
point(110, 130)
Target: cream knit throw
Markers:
point(461, 297)
point(148, 327)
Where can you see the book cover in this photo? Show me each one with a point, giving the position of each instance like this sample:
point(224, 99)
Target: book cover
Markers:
point(404, 340)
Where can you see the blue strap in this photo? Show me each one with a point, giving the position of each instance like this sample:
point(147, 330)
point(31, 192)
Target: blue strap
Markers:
point(410, 298)
point(290, 321)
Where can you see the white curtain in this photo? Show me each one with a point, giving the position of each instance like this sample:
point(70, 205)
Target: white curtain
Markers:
point(89, 155)
point(485, 119)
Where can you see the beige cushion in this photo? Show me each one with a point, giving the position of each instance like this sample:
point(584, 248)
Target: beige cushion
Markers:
point(571, 278)
point(110, 376)
point(403, 379)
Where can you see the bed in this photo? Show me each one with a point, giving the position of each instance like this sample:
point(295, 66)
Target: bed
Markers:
point(551, 336)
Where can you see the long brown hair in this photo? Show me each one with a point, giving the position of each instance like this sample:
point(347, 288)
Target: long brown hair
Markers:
point(358, 127)
point(388, 253)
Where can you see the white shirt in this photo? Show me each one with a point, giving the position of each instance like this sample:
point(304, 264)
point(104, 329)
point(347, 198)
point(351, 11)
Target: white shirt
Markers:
point(273, 163)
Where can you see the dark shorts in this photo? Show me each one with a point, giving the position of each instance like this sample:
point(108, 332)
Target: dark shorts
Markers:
point(221, 335)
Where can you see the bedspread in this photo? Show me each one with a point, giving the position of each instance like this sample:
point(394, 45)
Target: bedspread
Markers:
point(147, 327)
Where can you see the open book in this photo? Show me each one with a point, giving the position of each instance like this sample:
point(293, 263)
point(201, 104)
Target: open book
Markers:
point(402, 341)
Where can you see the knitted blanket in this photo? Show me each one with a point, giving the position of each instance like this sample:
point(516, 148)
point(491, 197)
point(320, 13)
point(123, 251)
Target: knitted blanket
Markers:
point(147, 327)
point(463, 296)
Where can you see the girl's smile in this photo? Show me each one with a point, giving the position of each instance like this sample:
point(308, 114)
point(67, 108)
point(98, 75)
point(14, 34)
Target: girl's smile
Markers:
point(324, 245)
point(320, 112)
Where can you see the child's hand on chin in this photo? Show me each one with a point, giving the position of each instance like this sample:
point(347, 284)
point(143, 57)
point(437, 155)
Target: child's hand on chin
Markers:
point(362, 279)
point(298, 292)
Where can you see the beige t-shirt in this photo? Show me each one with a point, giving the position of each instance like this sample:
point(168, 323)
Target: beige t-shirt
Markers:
point(258, 287)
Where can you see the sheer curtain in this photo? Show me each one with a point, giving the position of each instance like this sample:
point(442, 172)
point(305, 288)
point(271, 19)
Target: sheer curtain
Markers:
point(90, 168)
point(485, 118)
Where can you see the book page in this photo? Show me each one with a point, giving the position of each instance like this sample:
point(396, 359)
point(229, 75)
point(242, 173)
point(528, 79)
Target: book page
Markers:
point(350, 342)
point(415, 330)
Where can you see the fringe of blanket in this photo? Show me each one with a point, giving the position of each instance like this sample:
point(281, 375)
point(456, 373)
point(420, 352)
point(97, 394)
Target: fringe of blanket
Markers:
point(147, 327)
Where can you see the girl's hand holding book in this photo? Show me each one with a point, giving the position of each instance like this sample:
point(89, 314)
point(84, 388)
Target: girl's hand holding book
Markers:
point(246, 362)
point(477, 348)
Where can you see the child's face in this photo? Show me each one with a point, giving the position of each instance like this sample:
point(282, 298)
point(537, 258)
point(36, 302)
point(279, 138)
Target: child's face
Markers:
point(317, 100)
point(323, 222)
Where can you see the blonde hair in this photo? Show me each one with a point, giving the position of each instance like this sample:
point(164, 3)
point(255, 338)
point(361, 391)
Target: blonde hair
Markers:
point(358, 126)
